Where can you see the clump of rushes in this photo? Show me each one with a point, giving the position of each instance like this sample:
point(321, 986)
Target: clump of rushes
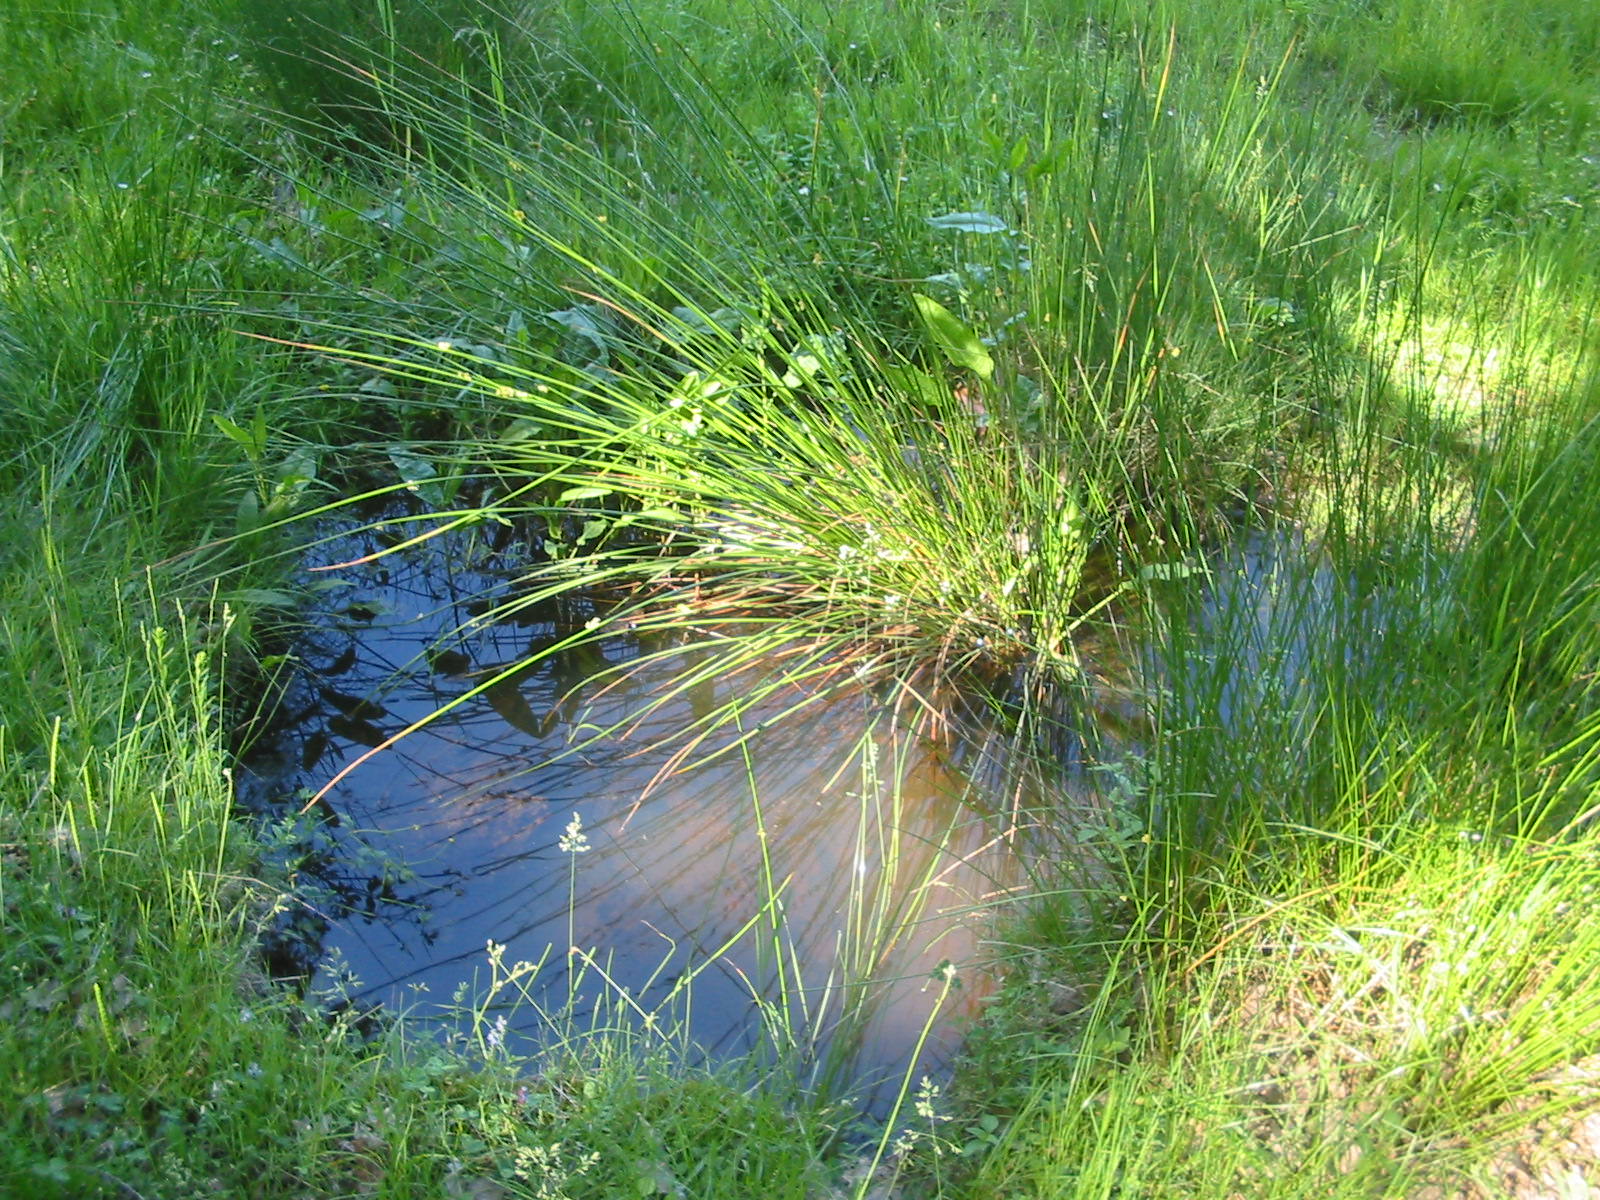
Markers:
point(788, 486)
point(731, 406)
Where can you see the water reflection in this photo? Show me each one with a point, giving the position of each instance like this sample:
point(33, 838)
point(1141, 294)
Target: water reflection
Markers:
point(829, 867)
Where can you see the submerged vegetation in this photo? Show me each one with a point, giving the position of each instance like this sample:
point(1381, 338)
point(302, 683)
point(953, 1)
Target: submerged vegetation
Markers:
point(1237, 358)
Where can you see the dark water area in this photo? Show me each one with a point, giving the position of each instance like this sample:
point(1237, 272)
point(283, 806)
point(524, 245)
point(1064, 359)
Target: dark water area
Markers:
point(818, 886)
point(1272, 623)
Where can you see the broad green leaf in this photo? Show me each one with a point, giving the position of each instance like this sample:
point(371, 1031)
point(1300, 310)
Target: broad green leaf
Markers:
point(239, 434)
point(1182, 569)
point(249, 514)
point(918, 384)
point(523, 429)
point(1050, 159)
point(586, 492)
point(298, 466)
point(656, 514)
point(377, 385)
point(413, 468)
point(277, 250)
point(694, 323)
point(417, 473)
point(960, 344)
point(725, 322)
point(262, 598)
point(970, 222)
point(804, 371)
point(584, 321)
point(1072, 524)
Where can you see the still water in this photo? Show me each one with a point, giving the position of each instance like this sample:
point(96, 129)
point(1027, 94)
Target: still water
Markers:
point(831, 872)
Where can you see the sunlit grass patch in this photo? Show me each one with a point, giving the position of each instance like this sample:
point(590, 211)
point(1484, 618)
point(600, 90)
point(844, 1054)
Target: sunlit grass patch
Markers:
point(1403, 1024)
point(1482, 58)
point(1437, 1003)
point(1472, 357)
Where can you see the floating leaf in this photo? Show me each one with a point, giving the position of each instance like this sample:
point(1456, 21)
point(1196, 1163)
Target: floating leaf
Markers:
point(418, 474)
point(959, 343)
point(970, 222)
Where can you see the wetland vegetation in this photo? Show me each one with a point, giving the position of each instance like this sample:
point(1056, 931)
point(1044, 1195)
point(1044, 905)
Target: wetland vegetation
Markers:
point(1198, 400)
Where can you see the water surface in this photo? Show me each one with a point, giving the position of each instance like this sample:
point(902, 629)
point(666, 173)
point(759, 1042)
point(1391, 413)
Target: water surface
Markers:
point(837, 868)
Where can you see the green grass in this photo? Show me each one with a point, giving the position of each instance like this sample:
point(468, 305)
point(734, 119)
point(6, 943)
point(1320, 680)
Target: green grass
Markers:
point(652, 274)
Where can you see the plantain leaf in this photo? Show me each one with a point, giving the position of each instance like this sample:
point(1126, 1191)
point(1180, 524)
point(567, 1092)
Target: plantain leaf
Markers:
point(971, 222)
point(918, 384)
point(958, 342)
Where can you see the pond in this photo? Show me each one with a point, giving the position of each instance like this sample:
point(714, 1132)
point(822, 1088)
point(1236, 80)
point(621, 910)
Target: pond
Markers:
point(817, 894)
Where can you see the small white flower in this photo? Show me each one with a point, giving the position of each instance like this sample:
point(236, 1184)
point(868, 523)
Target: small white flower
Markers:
point(573, 840)
point(928, 1093)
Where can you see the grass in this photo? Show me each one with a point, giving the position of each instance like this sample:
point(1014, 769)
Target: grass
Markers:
point(947, 342)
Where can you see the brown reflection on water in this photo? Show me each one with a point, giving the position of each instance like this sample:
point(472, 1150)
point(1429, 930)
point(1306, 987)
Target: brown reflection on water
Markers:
point(881, 869)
